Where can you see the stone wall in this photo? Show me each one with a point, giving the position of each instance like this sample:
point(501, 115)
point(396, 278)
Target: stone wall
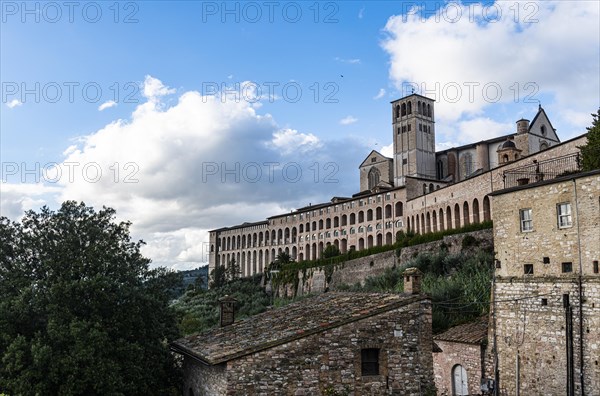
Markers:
point(535, 332)
point(203, 380)
point(331, 360)
point(358, 270)
point(453, 353)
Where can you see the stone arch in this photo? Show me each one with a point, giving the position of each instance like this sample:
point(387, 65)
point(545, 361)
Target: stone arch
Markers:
point(320, 224)
point(370, 215)
point(361, 244)
point(336, 221)
point(442, 228)
point(466, 213)
point(379, 239)
point(379, 212)
point(370, 241)
point(344, 220)
point(486, 209)
point(428, 228)
point(403, 110)
point(388, 211)
point(352, 218)
point(374, 177)
point(475, 211)
point(389, 239)
point(456, 216)
point(327, 223)
point(399, 209)
point(361, 216)
point(434, 221)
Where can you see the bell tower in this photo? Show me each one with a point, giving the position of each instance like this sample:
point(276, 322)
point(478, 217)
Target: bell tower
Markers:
point(414, 138)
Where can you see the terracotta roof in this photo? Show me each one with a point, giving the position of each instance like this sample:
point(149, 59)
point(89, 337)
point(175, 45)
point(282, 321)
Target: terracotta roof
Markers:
point(469, 333)
point(279, 326)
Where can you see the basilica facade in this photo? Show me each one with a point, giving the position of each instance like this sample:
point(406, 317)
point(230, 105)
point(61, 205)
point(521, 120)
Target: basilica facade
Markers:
point(418, 189)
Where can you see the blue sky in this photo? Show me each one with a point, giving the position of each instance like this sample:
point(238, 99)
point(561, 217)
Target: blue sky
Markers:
point(129, 88)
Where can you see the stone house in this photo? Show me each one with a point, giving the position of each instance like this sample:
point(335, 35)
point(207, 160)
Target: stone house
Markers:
point(459, 359)
point(349, 343)
point(547, 285)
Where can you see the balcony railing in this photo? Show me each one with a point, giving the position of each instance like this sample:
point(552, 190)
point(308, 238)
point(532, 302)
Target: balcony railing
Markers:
point(542, 170)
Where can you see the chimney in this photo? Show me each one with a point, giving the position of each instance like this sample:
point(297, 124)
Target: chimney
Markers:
point(412, 280)
point(227, 313)
point(522, 126)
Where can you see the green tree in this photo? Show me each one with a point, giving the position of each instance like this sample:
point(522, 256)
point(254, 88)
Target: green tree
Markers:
point(233, 270)
point(590, 153)
point(218, 276)
point(331, 251)
point(81, 313)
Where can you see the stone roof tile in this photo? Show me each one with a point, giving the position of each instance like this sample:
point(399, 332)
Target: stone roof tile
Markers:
point(469, 333)
point(279, 326)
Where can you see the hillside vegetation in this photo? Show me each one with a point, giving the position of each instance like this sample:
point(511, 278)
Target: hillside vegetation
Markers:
point(459, 284)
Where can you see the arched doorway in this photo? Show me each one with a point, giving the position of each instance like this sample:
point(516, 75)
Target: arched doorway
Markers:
point(459, 381)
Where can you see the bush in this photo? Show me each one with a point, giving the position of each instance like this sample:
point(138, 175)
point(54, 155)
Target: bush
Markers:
point(459, 285)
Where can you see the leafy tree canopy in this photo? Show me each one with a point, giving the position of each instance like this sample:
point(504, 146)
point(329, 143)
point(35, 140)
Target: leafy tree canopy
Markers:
point(590, 153)
point(81, 313)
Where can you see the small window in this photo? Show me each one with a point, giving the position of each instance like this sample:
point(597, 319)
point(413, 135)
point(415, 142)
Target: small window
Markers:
point(526, 220)
point(544, 301)
point(404, 161)
point(546, 260)
point(567, 267)
point(563, 211)
point(373, 159)
point(528, 269)
point(369, 361)
point(596, 266)
point(409, 128)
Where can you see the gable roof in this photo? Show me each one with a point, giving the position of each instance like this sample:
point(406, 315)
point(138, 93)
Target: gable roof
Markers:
point(294, 321)
point(380, 157)
point(469, 333)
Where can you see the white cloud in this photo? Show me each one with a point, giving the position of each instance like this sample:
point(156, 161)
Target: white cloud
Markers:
point(479, 129)
point(289, 140)
point(388, 150)
point(14, 103)
point(556, 55)
point(380, 94)
point(107, 105)
point(348, 120)
point(178, 170)
point(353, 61)
point(18, 197)
point(153, 88)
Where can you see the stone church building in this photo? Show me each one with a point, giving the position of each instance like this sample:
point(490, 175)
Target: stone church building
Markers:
point(417, 189)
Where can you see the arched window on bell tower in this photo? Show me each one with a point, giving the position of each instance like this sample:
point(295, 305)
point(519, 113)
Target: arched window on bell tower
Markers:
point(374, 177)
point(397, 111)
point(403, 109)
point(409, 110)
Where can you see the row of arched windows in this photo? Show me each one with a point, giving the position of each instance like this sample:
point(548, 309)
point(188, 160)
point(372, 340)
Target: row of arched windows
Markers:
point(451, 218)
point(404, 109)
point(289, 235)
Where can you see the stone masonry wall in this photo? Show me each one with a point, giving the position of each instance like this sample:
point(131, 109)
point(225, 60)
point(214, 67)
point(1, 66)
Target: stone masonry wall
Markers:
point(467, 355)
point(536, 333)
point(358, 270)
point(207, 380)
point(331, 360)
